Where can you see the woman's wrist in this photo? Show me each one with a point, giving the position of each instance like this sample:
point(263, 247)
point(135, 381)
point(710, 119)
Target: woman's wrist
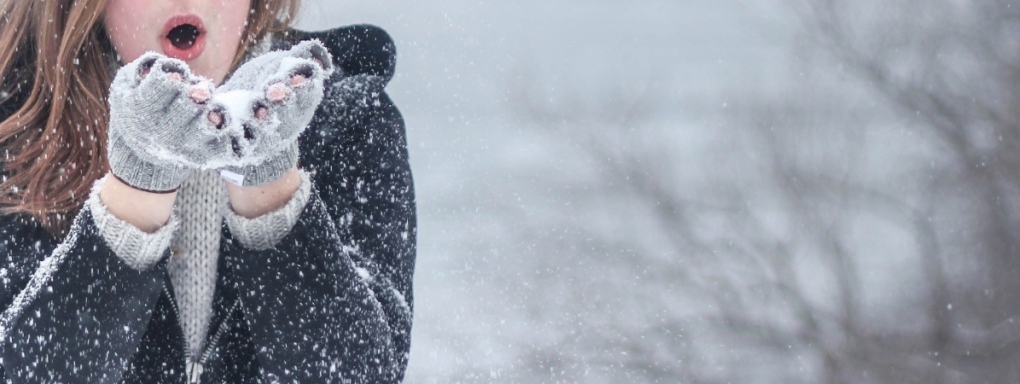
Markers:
point(147, 211)
point(255, 201)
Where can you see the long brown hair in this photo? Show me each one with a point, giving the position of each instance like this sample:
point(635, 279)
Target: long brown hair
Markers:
point(55, 69)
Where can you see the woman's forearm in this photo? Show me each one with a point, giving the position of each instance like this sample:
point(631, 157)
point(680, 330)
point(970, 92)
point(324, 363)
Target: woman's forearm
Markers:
point(150, 211)
point(145, 210)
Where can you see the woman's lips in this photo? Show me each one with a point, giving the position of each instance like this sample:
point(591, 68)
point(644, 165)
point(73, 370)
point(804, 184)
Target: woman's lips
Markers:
point(183, 52)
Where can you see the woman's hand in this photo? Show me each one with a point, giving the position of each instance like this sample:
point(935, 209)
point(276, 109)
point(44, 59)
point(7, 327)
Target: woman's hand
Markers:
point(167, 123)
point(265, 106)
point(159, 130)
point(157, 138)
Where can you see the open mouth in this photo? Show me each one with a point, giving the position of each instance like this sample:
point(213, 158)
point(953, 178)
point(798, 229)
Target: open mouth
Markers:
point(184, 37)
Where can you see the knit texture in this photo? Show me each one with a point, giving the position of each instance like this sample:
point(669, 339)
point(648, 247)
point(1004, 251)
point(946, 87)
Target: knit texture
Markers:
point(196, 246)
point(266, 147)
point(271, 169)
point(138, 249)
point(158, 134)
point(266, 231)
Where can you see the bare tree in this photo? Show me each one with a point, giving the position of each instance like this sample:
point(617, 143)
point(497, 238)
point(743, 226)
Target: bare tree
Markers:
point(860, 228)
point(950, 69)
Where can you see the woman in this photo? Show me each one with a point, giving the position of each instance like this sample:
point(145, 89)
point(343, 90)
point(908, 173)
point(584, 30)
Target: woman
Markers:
point(124, 257)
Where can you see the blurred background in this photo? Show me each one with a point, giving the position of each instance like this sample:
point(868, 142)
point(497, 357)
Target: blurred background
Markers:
point(710, 191)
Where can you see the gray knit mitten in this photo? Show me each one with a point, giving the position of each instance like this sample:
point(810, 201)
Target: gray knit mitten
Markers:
point(159, 133)
point(265, 106)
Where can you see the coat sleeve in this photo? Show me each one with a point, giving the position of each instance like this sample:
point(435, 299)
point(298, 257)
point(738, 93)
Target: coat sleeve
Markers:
point(332, 300)
point(72, 310)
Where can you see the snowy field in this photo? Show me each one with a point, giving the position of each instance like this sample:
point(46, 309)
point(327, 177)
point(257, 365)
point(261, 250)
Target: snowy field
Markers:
point(484, 176)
